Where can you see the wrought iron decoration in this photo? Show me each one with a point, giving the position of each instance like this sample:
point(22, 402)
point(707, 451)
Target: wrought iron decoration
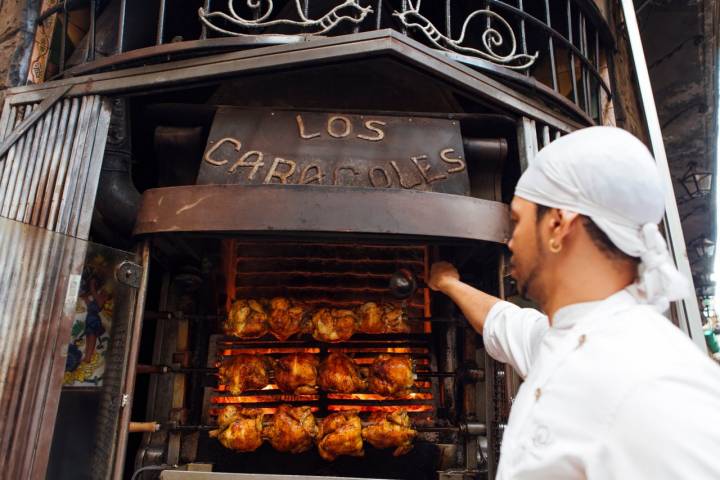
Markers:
point(347, 11)
point(491, 37)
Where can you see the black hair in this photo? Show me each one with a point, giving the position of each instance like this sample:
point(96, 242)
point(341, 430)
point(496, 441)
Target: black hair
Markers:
point(598, 237)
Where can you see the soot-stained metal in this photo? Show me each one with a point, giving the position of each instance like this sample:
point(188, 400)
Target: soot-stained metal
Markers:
point(256, 147)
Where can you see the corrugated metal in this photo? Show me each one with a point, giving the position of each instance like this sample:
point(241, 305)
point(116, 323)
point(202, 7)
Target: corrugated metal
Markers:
point(49, 176)
point(39, 276)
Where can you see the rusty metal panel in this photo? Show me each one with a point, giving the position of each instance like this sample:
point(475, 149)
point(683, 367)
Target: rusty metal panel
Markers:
point(337, 210)
point(256, 147)
point(39, 276)
point(49, 176)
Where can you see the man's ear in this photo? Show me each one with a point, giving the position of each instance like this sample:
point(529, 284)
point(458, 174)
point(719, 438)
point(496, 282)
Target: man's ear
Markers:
point(563, 223)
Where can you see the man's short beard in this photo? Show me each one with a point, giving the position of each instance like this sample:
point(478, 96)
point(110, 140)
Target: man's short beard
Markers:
point(534, 272)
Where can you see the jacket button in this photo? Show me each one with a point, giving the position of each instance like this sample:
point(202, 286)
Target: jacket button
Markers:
point(538, 394)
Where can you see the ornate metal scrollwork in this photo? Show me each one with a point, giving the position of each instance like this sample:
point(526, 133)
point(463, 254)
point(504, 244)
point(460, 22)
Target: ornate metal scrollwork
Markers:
point(347, 11)
point(491, 37)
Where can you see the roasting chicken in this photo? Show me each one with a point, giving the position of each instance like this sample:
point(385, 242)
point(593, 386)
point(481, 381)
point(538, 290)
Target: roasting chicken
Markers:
point(247, 319)
point(391, 375)
point(394, 320)
point(339, 373)
point(240, 429)
point(291, 429)
point(340, 434)
point(297, 373)
point(243, 372)
point(286, 318)
point(390, 430)
point(385, 318)
point(333, 325)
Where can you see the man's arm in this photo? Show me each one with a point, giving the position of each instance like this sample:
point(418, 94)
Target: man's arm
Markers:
point(474, 303)
point(511, 334)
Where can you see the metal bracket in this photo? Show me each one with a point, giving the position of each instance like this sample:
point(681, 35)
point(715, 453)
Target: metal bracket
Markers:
point(129, 273)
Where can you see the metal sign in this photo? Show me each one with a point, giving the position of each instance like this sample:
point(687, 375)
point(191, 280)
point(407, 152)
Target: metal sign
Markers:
point(256, 147)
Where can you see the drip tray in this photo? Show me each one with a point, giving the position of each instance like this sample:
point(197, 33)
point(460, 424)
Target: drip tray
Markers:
point(182, 475)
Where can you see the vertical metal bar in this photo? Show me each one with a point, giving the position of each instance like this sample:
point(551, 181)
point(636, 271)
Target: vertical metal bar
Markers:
point(161, 23)
point(598, 87)
point(404, 8)
point(121, 27)
point(545, 136)
point(686, 310)
point(134, 347)
point(572, 56)
point(378, 13)
point(63, 40)
point(523, 35)
point(585, 73)
point(306, 8)
point(44, 166)
point(448, 19)
point(203, 32)
point(551, 47)
point(90, 54)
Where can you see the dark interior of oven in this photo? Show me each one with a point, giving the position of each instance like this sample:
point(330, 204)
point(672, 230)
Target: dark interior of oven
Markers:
point(204, 275)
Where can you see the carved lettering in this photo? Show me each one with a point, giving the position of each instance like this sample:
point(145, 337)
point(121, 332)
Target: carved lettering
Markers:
point(444, 155)
point(371, 125)
point(276, 173)
point(346, 129)
point(338, 170)
point(242, 162)
point(220, 143)
point(305, 179)
point(301, 129)
point(421, 163)
point(403, 182)
point(372, 175)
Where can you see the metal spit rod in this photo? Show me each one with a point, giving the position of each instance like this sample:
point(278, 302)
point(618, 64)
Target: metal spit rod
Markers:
point(177, 316)
point(466, 428)
point(475, 374)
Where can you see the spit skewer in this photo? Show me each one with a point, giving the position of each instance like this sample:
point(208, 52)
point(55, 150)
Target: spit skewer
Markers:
point(169, 315)
point(162, 369)
point(469, 428)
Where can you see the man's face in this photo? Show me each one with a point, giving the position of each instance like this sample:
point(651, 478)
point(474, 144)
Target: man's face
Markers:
point(525, 245)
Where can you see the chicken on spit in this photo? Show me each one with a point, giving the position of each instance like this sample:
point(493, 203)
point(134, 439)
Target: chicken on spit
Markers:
point(333, 325)
point(384, 318)
point(339, 373)
point(246, 319)
point(240, 429)
point(391, 375)
point(291, 429)
point(340, 434)
point(286, 318)
point(243, 372)
point(390, 430)
point(297, 373)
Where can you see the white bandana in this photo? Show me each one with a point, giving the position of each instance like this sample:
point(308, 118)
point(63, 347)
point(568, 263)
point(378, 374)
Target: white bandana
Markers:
point(607, 174)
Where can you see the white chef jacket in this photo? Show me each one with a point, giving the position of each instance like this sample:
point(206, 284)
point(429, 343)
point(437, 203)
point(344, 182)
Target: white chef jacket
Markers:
point(612, 390)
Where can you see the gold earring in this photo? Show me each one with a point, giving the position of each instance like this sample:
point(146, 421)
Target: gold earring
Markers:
point(555, 246)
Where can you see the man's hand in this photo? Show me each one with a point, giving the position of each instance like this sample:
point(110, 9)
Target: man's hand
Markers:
point(442, 274)
point(474, 304)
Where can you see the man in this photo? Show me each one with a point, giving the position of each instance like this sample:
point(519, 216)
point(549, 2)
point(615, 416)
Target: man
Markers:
point(611, 388)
